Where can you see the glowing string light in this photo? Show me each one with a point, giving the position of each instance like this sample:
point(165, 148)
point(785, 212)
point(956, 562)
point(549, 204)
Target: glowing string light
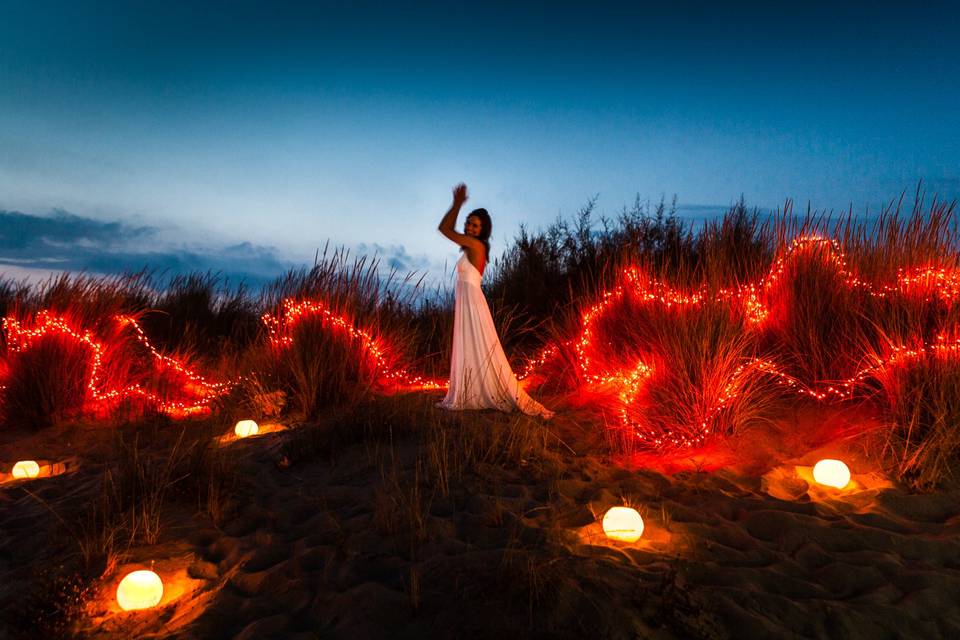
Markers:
point(280, 331)
point(925, 283)
point(21, 338)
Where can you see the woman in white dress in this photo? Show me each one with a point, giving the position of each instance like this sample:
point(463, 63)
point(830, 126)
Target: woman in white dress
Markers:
point(480, 375)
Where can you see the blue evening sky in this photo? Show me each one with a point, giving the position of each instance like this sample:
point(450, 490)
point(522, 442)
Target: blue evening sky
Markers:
point(210, 128)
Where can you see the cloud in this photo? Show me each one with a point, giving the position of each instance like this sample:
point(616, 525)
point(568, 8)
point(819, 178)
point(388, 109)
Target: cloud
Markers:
point(21, 232)
point(395, 257)
point(33, 247)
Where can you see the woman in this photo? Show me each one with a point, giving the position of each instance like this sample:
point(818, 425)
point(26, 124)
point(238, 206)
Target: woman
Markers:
point(480, 375)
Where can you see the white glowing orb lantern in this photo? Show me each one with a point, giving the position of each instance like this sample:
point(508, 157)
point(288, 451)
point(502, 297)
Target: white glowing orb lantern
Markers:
point(623, 523)
point(246, 428)
point(26, 469)
point(832, 473)
point(139, 590)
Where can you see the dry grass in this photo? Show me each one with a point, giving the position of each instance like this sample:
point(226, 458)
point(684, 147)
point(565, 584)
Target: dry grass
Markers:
point(144, 480)
point(402, 505)
point(921, 401)
point(703, 362)
point(47, 384)
point(458, 445)
point(327, 367)
point(820, 330)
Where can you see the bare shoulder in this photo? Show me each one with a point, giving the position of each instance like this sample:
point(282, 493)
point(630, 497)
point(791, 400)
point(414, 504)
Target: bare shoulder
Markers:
point(467, 242)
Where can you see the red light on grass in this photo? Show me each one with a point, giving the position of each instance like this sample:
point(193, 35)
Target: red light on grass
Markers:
point(622, 383)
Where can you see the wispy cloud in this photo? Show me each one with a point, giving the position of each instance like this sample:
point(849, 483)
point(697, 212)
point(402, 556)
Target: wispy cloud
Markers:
point(40, 245)
point(28, 234)
point(395, 257)
point(36, 246)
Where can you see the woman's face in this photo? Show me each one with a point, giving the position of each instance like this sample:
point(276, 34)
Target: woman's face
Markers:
point(472, 226)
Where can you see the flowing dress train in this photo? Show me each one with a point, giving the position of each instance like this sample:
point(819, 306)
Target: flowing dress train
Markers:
point(480, 375)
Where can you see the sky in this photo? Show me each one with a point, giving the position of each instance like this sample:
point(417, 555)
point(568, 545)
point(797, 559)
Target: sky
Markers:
point(243, 136)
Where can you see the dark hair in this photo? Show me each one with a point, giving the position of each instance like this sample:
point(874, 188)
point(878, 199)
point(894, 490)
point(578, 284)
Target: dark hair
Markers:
point(486, 228)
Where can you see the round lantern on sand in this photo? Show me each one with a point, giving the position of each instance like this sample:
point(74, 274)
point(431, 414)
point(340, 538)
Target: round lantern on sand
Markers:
point(26, 469)
point(623, 523)
point(832, 473)
point(246, 428)
point(141, 589)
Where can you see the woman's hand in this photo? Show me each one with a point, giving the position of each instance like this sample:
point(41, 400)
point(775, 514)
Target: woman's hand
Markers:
point(448, 224)
point(460, 193)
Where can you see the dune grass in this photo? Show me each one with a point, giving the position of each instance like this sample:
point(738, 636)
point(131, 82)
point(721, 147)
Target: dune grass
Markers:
point(700, 371)
point(711, 372)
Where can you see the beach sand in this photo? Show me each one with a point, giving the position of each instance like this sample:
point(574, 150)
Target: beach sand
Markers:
point(362, 541)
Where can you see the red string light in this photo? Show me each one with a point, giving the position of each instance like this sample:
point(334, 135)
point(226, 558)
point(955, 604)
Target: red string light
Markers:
point(20, 338)
point(928, 284)
point(280, 330)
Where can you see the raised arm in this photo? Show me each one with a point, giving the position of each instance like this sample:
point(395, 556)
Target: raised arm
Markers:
point(448, 226)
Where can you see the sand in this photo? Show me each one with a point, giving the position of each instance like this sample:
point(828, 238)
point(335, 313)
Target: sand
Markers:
point(348, 545)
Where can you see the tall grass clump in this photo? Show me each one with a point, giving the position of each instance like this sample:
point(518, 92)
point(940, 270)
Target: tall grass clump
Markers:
point(704, 382)
point(917, 393)
point(47, 379)
point(216, 330)
point(697, 354)
point(203, 313)
point(50, 379)
point(11, 292)
point(816, 318)
point(542, 273)
point(825, 305)
point(45, 385)
point(329, 359)
point(431, 320)
point(921, 402)
point(828, 294)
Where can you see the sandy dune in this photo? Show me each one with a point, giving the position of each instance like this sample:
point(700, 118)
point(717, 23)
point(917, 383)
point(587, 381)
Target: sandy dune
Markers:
point(350, 545)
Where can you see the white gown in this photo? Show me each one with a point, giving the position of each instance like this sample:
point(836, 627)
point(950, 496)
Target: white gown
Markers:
point(480, 375)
